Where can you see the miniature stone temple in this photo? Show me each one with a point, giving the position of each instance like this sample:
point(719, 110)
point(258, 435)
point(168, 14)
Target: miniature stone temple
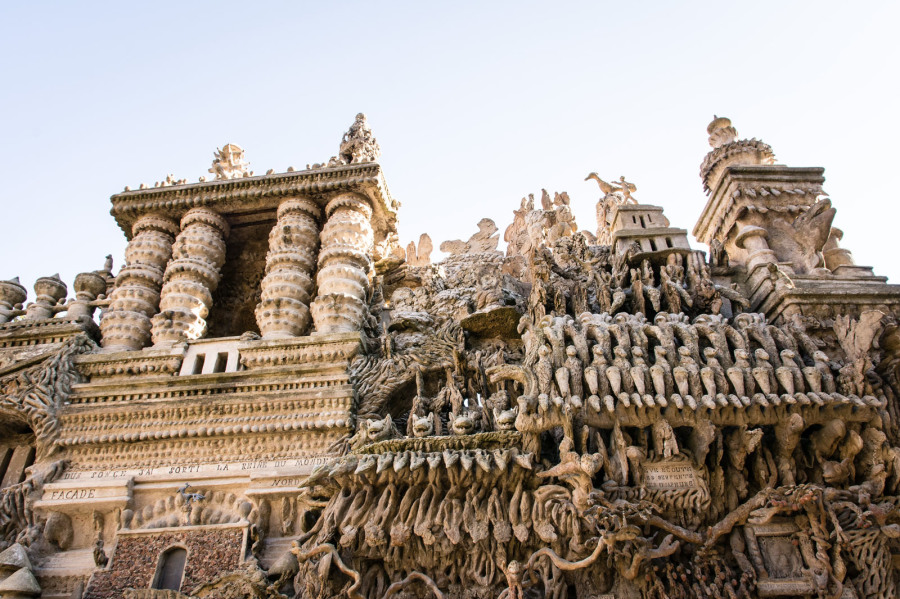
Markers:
point(272, 398)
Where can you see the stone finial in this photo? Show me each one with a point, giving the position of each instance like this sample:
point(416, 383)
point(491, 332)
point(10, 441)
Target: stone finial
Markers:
point(728, 150)
point(49, 292)
point(13, 558)
point(358, 143)
point(22, 584)
point(230, 163)
point(12, 294)
point(721, 132)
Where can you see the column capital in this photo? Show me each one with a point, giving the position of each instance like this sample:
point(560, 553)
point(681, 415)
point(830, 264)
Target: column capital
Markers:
point(155, 222)
point(207, 217)
point(299, 204)
point(352, 200)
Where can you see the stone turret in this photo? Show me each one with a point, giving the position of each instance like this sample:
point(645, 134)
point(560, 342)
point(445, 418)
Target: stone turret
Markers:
point(775, 223)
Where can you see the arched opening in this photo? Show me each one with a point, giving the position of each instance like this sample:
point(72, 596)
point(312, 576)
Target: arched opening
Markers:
point(17, 451)
point(170, 569)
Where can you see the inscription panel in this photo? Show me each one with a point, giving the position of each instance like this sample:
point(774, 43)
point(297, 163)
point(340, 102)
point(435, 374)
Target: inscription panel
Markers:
point(670, 475)
point(292, 467)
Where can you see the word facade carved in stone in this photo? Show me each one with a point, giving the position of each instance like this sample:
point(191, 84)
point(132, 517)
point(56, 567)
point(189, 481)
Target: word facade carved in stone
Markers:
point(583, 415)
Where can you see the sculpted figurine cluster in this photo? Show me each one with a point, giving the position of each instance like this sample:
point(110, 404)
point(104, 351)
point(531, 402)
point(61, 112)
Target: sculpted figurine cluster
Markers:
point(279, 401)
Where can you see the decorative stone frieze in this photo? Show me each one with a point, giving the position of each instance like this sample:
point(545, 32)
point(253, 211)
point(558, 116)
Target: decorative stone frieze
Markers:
point(288, 285)
point(344, 265)
point(126, 323)
point(190, 278)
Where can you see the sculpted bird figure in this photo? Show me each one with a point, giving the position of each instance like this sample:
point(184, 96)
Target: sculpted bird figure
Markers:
point(605, 187)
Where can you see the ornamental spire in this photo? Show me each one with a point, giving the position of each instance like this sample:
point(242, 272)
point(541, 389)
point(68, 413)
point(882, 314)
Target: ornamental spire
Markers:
point(358, 143)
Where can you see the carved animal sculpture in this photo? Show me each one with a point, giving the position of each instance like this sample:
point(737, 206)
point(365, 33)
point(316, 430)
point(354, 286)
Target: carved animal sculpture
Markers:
point(423, 426)
point(506, 419)
point(372, 431)
point(802, 240)
point(464, 423)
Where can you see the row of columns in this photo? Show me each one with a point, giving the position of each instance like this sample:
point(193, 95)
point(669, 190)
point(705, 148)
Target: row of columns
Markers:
point(164, 292)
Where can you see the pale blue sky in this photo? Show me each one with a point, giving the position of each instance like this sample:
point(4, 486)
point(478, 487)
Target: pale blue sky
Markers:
point(474, 104)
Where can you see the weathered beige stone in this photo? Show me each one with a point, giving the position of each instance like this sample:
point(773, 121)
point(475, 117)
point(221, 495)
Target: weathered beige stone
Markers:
point(288, 286)
point(190, 278)
point(590, 415)
point(135, 299)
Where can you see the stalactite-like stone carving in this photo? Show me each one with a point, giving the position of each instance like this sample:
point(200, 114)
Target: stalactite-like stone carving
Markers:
point(190, 278)
point(126, 323)
point(344, 264)
point(288, 285)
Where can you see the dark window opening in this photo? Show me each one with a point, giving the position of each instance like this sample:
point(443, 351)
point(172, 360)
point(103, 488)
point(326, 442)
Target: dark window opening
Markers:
point(221, 362)
point(170, 571)
point(652, 245)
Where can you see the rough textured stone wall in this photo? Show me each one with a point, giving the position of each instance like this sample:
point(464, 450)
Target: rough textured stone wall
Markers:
point(209, 553)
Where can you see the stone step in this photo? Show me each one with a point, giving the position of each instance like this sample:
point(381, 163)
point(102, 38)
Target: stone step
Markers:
point(274, 548)
point(67, 563)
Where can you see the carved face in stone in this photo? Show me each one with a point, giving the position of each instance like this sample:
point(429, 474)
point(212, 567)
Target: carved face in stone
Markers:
point(380, 430)
point(506, 419)
point(464, 424)
point(424, 426)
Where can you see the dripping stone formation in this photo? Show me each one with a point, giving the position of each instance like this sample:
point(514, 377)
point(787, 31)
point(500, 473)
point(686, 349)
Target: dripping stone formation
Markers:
point(272, 398)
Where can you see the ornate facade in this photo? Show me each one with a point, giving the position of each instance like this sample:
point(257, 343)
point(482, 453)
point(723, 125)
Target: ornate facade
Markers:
point(273, 399)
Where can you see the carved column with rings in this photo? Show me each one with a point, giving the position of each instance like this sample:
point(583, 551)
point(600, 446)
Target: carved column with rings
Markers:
point(344, 265)
point(190, 278)
point(288, 285)
point(126, 323)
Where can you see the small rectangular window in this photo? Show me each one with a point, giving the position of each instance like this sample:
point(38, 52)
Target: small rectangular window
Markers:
point(221, 362)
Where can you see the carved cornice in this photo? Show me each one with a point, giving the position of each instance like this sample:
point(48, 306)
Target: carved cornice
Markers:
point(175, 453)
point(250, 194)
point(172, 421)
point(299, 379)
point(48, 330)
point(777, 188)
point(97, 367)
point(828, 297)
point(314, 349)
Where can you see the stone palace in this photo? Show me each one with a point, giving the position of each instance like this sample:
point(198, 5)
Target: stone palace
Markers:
point(272, 398)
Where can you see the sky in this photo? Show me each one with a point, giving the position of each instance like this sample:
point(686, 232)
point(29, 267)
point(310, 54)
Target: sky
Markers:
point(475, 105)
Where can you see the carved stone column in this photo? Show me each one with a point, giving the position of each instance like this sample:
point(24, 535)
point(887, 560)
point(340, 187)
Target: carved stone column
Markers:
point(190, 278)
point(135, 298)
point(288, 285)
point(344, 264)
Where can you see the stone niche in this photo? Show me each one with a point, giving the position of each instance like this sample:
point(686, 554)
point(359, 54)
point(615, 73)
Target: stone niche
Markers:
point(16, 454)
point(237, 296)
